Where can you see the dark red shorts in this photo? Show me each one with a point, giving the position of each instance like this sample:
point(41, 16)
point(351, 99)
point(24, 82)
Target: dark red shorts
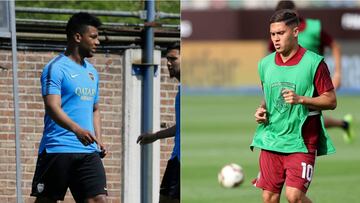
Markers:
point(295, 170)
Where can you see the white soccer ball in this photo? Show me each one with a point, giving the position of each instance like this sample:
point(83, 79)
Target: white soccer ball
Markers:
point(231, 175)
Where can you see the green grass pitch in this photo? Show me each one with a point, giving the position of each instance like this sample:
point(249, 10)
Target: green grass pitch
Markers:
point(217, 130)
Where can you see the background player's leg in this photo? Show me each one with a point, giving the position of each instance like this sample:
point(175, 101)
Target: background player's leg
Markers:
point(332, 122)
point(345, 124)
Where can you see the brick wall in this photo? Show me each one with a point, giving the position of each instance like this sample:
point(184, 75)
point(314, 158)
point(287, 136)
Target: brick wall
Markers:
point(30, 65)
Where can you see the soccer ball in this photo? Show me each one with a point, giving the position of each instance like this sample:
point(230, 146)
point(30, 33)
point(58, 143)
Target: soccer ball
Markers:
point(231, 175)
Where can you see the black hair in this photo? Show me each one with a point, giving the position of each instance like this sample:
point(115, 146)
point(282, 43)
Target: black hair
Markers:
point(285, 15)
point(285, 5)
point(79, 22)
point(175, 45)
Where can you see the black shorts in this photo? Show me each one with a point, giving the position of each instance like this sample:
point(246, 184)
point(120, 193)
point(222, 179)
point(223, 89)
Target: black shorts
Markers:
point(170, 185)
point(83, 173)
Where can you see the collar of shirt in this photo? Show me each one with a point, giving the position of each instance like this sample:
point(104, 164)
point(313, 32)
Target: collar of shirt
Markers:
point(294, 60)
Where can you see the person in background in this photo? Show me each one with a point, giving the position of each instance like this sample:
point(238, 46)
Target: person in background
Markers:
point(170, 185)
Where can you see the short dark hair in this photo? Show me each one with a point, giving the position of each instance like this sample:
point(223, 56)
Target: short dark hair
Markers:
point(285, 5)
point(289, 17)
point(79, 22)
point(175, 45)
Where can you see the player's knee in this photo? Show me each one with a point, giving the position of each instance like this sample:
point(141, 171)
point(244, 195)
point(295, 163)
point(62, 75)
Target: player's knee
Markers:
point(98, 199)
point(270, 197)
point(293, 197)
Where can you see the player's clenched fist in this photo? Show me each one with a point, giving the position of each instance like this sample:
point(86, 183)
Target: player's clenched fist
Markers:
point(291, 97)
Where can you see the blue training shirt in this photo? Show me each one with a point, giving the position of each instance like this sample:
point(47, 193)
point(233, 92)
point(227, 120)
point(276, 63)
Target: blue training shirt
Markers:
point(176, 150)
point(78, 86)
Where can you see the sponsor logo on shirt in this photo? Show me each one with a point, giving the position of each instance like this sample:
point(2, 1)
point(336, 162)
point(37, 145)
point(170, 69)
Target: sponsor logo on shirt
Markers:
point(85, 94)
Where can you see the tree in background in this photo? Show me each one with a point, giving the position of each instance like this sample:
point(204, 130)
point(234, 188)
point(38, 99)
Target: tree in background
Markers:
point(163, 6)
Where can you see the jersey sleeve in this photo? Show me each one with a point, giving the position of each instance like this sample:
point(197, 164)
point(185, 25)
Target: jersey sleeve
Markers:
point(51, 79)
point(322, 79)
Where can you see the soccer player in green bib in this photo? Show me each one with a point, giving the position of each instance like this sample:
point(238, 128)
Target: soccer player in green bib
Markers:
point(313, 37)
point(297, 86)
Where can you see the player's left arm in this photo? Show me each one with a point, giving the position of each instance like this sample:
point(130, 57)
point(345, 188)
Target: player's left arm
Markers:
point(325, 101)
point(97, 128)
point(325, 97)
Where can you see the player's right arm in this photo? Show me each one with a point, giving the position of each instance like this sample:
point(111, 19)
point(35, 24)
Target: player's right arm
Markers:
point(53, 108)
point(260, 113)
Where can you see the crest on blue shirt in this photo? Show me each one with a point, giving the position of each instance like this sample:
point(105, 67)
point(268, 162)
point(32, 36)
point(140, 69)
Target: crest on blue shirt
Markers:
point(91, 76)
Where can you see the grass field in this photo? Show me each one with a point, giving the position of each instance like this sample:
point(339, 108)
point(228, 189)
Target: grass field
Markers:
point(217, 130)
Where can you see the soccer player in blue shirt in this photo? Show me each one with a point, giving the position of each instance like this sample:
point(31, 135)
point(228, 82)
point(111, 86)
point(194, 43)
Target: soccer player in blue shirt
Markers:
point(71, 147)
point(170, 185)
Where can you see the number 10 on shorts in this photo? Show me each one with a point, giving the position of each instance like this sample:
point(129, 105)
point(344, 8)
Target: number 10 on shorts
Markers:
point(307, 171)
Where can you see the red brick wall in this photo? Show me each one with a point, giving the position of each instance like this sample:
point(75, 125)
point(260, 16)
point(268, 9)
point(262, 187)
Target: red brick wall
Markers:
point(30, 65)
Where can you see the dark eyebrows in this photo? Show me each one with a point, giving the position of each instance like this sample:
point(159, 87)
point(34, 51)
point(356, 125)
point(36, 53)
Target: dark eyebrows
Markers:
point(171, 58)
point(279, 32)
